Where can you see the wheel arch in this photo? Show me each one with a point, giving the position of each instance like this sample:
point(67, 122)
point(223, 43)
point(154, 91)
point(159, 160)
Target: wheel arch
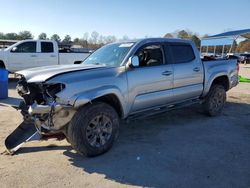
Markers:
point(113, 101)
point(110, 96)
point(220, 79)
point(2, 65)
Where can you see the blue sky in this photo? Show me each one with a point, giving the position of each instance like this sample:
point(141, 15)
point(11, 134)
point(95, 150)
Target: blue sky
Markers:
point(134, 18)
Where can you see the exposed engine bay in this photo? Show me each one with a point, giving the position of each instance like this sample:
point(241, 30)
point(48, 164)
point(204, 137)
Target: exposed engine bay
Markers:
point(40, 105)
point(42, 114)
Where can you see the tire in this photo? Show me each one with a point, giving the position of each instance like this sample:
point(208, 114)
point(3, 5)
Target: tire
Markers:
point(93, 129)
point(215, 100)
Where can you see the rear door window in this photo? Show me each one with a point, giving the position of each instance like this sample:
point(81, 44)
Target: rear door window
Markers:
point(181, 53)
point(47, 47)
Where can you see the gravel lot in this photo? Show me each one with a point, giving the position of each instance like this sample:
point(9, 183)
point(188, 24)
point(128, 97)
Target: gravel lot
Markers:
point(182, 148)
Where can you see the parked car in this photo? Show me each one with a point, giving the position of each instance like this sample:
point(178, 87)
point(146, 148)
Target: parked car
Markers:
point(119, 81)
point(36, 53)
point(245, 58)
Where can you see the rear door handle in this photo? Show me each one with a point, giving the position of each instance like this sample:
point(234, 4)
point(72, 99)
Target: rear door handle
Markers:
point(196, 69)
point(53, 56)
point(167, 73)
point(33, 55)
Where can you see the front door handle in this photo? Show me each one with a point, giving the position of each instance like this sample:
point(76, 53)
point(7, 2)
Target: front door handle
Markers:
point(196, 69)
point(33, 56)
point(167, 73)
point(53, 56)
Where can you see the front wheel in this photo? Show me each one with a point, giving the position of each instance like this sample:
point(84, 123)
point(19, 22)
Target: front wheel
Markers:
point(215, 100)
point(93, 129)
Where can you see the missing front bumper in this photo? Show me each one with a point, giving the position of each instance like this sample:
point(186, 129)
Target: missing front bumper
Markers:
point(25, 132)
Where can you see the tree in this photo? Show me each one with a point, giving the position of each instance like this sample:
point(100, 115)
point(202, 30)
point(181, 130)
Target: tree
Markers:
point(11, 36)
point(101, 40)
point(125, 38)
point(168, 35)
point(244, 46)
point(109, 39)
point(183, 34)
point(2, 36)
point(86, 36)
point(43, 36)
point(94, 37)
point(22, 35)
point(67, 39)
point(196, 40)
point(84, 43)
point(76, 40)
point(56, 38)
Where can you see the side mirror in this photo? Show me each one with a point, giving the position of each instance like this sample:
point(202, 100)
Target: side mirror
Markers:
point(134, 61)
point(14, 49)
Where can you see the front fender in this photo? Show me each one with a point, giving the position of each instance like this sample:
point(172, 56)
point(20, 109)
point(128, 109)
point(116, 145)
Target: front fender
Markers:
point(85, 97)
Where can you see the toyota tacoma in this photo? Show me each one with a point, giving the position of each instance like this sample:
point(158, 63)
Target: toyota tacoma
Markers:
point(86, 102)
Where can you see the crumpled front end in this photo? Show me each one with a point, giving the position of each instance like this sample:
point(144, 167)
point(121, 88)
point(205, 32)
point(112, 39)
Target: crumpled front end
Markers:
point(41, 105)
point(42, 113)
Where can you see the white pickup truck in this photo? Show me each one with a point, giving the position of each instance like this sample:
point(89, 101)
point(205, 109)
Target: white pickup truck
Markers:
point(36, 53)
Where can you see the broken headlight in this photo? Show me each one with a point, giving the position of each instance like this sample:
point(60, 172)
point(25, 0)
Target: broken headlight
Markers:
point(22, 87)
point(53, 89)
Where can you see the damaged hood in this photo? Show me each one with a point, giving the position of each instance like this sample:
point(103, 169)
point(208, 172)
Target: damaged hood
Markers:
point(41, 74)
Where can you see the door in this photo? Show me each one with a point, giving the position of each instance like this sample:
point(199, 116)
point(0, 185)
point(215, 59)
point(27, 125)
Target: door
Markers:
point(188, 72)
point(47, 55)
point(150, 84)
point(23, 56)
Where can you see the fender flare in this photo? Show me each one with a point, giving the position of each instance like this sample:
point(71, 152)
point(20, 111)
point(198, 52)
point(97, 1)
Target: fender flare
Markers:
point(211, 79)
point(88, 96)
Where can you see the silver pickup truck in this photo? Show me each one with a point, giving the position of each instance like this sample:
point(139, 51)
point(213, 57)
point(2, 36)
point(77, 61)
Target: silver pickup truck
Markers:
point(119, 81)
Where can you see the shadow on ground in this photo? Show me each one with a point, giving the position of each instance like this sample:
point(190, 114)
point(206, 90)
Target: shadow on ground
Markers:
point(182, 148)
point(10, 101)
point(50, 147)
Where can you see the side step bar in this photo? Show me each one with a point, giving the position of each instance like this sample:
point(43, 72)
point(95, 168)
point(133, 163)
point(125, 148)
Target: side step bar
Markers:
point(162, 109)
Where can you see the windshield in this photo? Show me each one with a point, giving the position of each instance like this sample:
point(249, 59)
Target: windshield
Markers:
point(110, 55)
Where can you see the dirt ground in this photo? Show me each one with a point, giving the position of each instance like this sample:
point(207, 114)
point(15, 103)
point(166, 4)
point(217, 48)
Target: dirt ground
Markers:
point(182, 148)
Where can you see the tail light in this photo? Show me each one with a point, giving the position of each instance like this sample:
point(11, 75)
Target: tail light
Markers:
point(238, 67)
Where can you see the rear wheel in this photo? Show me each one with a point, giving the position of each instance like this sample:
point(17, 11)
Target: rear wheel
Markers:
point(93, 129)
point(215, 100)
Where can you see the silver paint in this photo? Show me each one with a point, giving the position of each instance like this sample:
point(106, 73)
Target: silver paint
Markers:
point(136, 88)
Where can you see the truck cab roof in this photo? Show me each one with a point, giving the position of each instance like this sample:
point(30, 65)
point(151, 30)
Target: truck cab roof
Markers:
point(147, 40)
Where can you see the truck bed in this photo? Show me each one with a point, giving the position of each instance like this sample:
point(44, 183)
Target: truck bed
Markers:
point(218, 67)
